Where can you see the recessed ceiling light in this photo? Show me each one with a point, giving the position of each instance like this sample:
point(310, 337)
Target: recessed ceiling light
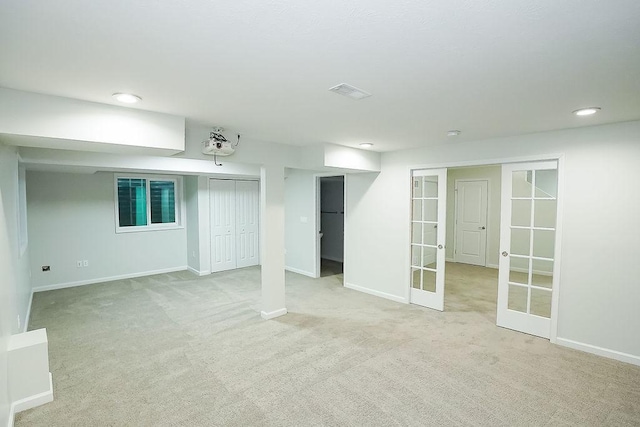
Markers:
point(366, 145)
point(453, 133)
point(127, 98)
point(586, 111)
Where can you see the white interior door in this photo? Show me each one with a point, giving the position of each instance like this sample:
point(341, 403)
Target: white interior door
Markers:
point(247, 218)
point(471, 222)
point(528, 273)
point(222, 208)
point(428, 205)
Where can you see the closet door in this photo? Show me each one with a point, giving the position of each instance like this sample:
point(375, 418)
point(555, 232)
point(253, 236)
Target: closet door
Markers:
point(247, 216)
point(222, 196)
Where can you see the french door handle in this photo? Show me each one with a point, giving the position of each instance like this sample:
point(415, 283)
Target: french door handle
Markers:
point(482, 228)
point(439, 246)
point(505, 253)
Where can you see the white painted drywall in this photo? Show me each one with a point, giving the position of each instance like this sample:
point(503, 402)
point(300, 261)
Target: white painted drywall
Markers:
point(72, 217)
point(599, 294)
point(300, 223)
point(70, 121)
point(15, 285)
point(338, 156)
point(492, 174)
point(332, 218)
point(193, 235)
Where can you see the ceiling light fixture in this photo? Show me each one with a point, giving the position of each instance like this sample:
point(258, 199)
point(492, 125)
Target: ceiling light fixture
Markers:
point(453, 133)
point(350, 91)
point(366, 145)
point(586, 111)
point(127, 98)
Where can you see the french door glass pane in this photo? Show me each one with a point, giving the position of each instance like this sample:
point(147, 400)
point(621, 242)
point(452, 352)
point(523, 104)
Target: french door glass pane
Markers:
point(520, 241)
point(430, 186)
point(519, 270)
point(544, 213)
point(429, 234)
point(521, 184)
point(430, 210)
point(541, 302)
point(542, 273)
point(429, 258)
point(429, 280)
point(416, 275)
point(518, 298)
point(417, 187)
point(543, 243)
point(417, 209)
point(546, 183)
point(521, 213)
point(416, 232)
point(416, 254)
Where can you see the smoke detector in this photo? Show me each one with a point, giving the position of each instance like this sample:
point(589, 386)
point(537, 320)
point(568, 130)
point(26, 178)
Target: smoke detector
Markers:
point(350, 91)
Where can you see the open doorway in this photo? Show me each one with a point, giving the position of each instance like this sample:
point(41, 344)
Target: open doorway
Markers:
point(330, 225)
point(473, 240)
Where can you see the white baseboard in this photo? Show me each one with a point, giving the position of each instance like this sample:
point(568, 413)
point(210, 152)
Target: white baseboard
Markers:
point(198, 272)
point(376, 293)
point(298, 271)
point(106, 279)
point(12, 415)
point(33, 401)
point(273, 314)
point(27, 316)
point(604, 352)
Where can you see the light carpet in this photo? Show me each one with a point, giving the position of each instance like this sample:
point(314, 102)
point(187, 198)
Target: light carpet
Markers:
point(180, 350)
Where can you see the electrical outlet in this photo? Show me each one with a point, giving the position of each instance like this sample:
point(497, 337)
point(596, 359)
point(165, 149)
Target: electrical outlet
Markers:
point(85, 263)
point(79, 264)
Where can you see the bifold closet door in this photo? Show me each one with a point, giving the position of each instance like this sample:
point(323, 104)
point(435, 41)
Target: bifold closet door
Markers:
point(247, 217)
point(222, 197)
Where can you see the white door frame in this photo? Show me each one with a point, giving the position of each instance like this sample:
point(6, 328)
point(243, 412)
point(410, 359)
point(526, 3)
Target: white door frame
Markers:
point(317, 217)
point(455, 216)
point(553, 333)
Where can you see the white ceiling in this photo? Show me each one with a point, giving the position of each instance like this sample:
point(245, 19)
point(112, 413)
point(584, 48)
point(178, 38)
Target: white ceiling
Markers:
point(263, 68)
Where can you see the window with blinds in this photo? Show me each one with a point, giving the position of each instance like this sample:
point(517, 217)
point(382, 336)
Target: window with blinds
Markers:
point(146, 203)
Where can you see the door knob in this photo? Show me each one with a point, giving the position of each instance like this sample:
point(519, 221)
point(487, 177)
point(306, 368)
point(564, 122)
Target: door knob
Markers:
point(439, 246)
point(505, 253)
point(482, 228)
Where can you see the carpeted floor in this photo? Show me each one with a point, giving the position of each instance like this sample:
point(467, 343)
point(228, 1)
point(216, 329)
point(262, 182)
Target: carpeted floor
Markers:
point(175, 349)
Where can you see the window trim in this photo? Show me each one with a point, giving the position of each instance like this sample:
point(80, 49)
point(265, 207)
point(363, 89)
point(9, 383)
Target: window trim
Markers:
point(179, 203)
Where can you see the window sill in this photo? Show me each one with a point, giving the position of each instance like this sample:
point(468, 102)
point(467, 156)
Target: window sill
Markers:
point(145, 228)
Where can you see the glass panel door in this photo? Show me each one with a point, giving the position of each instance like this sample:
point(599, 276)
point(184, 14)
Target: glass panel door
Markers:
point(428, 211)
point(527, 242)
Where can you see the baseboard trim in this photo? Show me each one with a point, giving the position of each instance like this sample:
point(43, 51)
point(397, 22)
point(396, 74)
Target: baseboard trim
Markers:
point(35, 400)
point(106, 279)
point(198, 272)
point(376, 293)
point(27, 316)
point(599, 351)
point(12, 416)
point(273, 314)
point(298, 271)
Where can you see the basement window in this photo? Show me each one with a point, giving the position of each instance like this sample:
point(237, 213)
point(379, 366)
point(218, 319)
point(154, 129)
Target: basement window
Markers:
point(145, 203)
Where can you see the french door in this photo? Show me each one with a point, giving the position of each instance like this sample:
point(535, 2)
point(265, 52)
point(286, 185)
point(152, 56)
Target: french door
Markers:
point(528, 273)
point(428, 206)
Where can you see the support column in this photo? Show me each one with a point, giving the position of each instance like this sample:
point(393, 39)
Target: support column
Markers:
point(272, 240)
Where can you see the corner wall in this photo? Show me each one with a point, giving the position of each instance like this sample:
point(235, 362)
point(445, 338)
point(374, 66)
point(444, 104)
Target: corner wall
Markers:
point(76, 212)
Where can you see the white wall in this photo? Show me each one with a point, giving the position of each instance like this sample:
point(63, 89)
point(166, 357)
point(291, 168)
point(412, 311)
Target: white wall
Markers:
point(15, 286)
point(75, 124)
point(332, 218)
point(599, 293)
point(72, 217)
point(193, 237)
point(492, 174)
point(300, 225)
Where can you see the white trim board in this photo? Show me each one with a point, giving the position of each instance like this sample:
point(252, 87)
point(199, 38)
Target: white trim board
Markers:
point(198, 272)
point(33, 401)
point(298, 271)
point(107, 279)
point(599, 351)
point(376, 293)
point(273, 314)
point(12, 415)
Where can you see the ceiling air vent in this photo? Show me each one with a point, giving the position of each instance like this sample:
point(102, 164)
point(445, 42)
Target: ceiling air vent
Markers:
point(350, 91)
